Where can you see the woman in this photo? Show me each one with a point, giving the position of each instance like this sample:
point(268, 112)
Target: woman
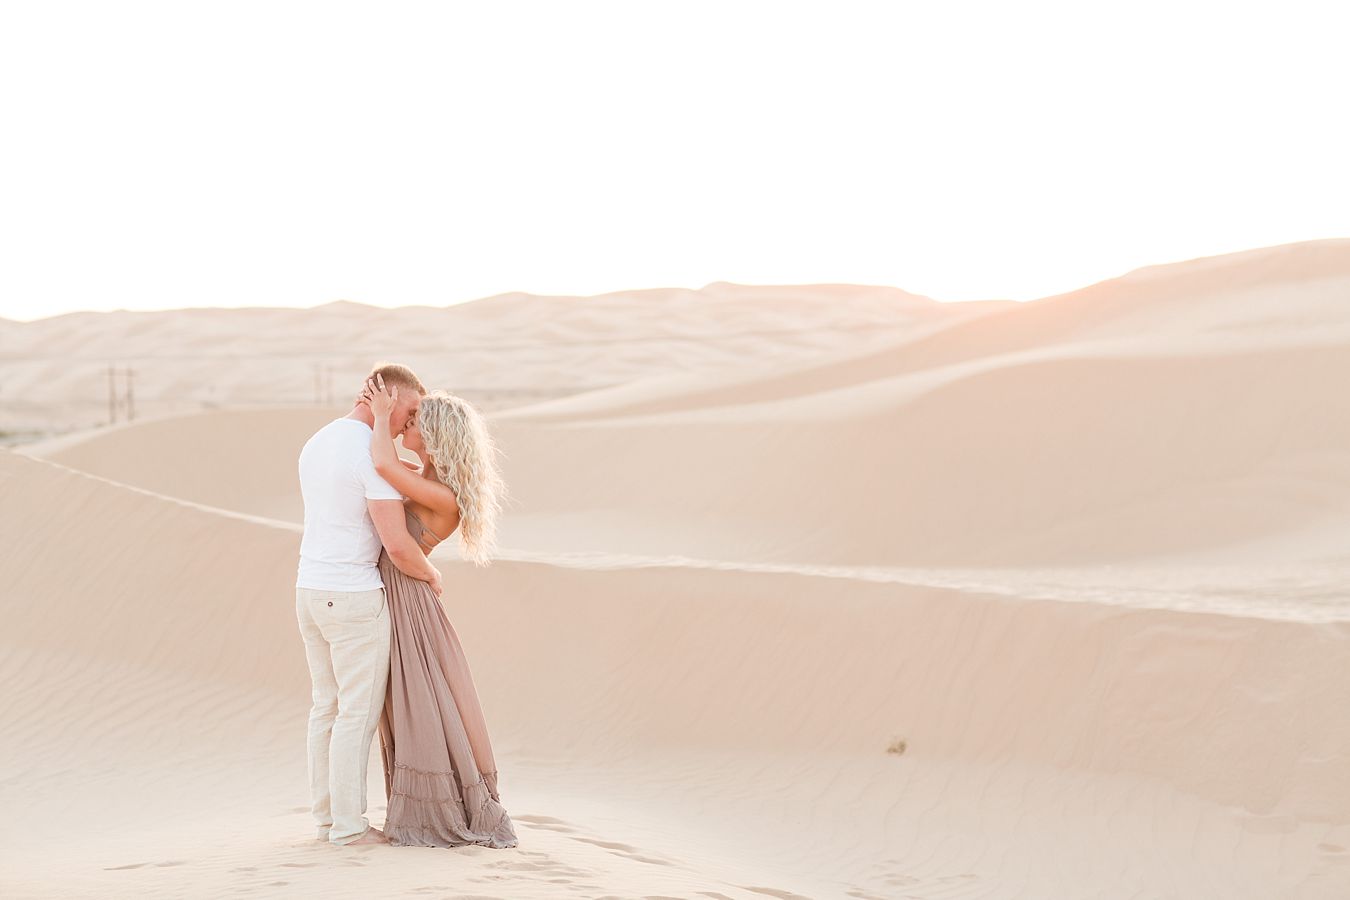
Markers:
point(439, 772)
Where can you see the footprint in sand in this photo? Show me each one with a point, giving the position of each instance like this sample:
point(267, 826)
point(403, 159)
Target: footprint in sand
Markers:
point(545, 823)
point(773, 892)
point(625, 851)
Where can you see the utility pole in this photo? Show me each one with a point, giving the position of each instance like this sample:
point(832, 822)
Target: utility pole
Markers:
point(112, 394)
point(131, 405)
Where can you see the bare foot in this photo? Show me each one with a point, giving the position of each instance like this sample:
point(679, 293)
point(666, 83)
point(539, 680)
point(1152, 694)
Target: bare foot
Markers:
point(373, 835)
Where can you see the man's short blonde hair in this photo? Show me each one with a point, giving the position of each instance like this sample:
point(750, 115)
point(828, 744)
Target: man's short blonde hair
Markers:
point(393, 373)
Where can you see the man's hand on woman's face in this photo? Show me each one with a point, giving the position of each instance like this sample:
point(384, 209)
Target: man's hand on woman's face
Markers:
point(382, 400)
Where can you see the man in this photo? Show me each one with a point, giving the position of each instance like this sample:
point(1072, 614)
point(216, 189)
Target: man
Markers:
point(350, 511)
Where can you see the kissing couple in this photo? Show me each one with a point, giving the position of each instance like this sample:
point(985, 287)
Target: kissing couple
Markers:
point(381, 651)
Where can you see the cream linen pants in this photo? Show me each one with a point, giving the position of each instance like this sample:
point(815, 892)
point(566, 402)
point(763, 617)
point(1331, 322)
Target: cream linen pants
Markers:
point(347, 644)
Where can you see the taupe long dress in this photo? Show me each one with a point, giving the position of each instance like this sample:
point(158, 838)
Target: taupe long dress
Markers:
point(439, 773)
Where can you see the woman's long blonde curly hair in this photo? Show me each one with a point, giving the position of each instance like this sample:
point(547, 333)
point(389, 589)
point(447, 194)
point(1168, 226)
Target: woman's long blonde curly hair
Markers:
point(464, 457)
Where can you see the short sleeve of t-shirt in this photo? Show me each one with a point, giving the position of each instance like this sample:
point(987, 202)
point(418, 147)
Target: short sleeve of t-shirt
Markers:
point(375, 486)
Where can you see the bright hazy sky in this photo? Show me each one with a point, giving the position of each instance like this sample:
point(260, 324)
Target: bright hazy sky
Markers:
point(276, 153)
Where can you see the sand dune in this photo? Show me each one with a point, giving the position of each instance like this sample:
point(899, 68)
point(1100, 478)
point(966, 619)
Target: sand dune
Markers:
point(500, 350)
point(1275, 296)
point(1185, 442)
point(1115, 441)
point(824, 592)
point(1057, 460)
point(241, 459)
point(904, 741)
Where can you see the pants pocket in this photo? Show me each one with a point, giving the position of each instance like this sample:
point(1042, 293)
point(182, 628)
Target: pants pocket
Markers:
point(380, 604)
point(340, 608)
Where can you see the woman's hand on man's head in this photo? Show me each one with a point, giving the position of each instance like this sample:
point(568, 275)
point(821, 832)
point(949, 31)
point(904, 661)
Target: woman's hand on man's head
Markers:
point(380, 398)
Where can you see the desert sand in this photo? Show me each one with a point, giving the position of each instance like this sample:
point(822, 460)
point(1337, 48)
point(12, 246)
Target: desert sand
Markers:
point(822, 591)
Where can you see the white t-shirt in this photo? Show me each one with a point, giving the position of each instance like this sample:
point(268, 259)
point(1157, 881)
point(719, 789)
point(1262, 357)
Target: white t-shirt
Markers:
point(340, 550)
